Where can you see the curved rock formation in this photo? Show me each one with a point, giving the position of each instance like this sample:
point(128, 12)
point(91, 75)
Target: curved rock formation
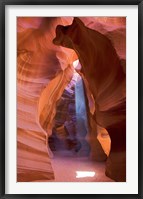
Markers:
point(39, 63)
point(102, 68)
point(44, 70)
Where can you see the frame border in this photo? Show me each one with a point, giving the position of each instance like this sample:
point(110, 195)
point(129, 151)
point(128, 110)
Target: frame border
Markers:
point(3, 3)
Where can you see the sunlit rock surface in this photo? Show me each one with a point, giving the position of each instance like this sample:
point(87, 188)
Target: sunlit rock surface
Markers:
point(39, 63)
point(43, 72)
point(103, 70)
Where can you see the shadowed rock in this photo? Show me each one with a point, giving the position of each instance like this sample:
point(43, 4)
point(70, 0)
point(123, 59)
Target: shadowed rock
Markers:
point(102, 69)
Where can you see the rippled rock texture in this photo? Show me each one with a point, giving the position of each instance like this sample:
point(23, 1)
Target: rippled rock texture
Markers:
point(44, 69)
point(42, 74)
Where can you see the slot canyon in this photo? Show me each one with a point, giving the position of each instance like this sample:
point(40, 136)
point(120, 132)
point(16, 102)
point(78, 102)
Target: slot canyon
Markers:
point(71, 99)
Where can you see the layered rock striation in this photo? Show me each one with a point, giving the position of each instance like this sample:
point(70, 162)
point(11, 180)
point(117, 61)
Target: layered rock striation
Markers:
point(41, 79)
point(45, 69)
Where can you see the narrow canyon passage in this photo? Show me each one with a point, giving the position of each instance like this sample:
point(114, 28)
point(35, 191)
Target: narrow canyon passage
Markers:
point(69, 141)
point(92, 137)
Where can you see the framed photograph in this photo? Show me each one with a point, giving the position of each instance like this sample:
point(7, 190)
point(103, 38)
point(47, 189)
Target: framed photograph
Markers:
point(71, 99)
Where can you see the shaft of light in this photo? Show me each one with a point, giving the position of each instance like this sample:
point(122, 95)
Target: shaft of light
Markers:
point(83, 174)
